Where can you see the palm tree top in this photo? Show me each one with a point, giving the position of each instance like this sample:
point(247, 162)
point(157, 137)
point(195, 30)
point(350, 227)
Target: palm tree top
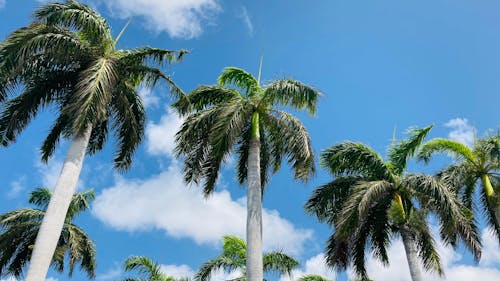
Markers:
point(233, 257)
point(67, 58)
point(223, 119)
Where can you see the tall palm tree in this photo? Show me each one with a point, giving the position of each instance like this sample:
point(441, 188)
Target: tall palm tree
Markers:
point(18, 230)
point(233, 257)
point(148, 269)
point(67, 58)
point(239, 116)
point(477, 166)
point(371, 200)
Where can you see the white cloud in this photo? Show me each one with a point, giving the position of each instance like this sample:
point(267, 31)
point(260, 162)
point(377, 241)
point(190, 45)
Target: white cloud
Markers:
point(245, 17)
point(452, 262)
point(183, 271)
point(461, 131)
point(164, 202)
point(180, 19)
point(160, 138)
point(149, 99)
point(111, 274)
point(16, 187)
point(315, 265)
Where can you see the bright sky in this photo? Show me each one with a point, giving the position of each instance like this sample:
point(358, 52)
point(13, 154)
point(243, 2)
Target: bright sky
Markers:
point(380, 64)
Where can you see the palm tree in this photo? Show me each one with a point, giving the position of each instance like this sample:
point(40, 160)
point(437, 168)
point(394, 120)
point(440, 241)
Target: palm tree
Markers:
point(67, 58)
point(240, 114)
point(150, 270)
point(475, 166)
point(19, 229)
point(233, 257)
point(372, 200)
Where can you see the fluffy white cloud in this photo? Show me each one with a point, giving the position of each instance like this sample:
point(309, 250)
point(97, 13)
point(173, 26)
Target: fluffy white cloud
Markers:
point(160, 138)
point(453, 264)
point(149, 99)
point(164, 202)
point(315, 265)
point(180, 19)
point(461, 131)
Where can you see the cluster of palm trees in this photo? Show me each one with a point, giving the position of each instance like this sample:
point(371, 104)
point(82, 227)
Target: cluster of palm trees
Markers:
point(67, 59)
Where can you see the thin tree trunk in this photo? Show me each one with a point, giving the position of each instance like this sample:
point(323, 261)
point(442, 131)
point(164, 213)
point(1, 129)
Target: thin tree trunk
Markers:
point(411, 255)
point(254, 266)
point(490, 192)
point(53, 221)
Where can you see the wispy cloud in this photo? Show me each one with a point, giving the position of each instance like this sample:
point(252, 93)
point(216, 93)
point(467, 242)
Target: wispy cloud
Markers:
point(111, 274)
point(245, 17)
point(16, 187)
point(461, 131)
point(2, 3)
point(180, 19)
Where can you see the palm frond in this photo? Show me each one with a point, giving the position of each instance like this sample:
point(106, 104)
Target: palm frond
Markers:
point(129, 118)
point(313, 277)
point(75, 15)
point(40, 197)
point(61, 126)
point(279, 262)
point(460, 151)
point(328, 199)
point(402, 151)
point(240, 78)
point(143, 265)
point(204, 97)
point(287, 132)
point(212, 266)
point(92, 97)
point(293, 93)
point(350, 158)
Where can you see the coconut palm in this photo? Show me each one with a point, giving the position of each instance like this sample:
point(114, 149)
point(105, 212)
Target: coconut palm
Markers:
point(233, 258)
point(372, 200)
point(18, 230)
point(477, 166)
point(148, 269)
point(68, 59)
point(239, 116)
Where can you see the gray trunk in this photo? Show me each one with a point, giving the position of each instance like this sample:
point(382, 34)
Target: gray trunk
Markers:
point(254, 267)
point(53, 221)
point(411, 256)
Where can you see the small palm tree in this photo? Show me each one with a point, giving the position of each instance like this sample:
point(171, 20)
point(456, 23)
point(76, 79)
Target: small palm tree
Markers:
point(18, 230)
point(372, 200)
point(478, 166)
point(67, 58)
point(239, 115)
point(233, 257)
point(148, 269)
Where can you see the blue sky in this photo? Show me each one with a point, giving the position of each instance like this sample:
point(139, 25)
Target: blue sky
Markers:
point(380, 64)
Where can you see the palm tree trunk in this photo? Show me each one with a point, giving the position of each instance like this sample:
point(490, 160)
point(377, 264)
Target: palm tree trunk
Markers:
point(53, 221)
point(411, 255)
point(490, 192)
point(254, 263)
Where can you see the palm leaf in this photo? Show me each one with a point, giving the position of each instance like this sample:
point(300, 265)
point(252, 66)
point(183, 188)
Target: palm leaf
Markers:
point(293, 93)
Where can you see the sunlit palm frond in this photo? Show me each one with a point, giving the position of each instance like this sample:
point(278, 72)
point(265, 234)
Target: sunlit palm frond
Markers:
point(75, 15)
point(233, 76)
point(293, 93)
point(434, 146)
point(402, 151)
point(279, 262)
point(351, 158)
